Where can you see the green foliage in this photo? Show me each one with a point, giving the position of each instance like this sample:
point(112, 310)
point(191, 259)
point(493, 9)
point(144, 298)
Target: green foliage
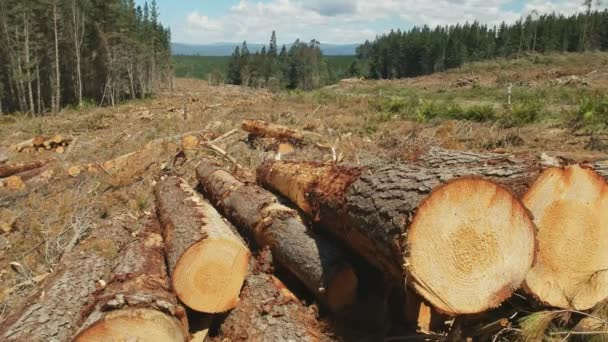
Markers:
point(527, 110)
point(424, 50)
point(199, 67)
point(402, 106)
point(430, 110)
point(592, 111)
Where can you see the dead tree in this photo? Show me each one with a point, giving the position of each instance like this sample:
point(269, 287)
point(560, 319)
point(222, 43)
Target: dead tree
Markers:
point(465, 245)
point(137, 303)
point(207, 260)
point(54, 311)
point(319, 264)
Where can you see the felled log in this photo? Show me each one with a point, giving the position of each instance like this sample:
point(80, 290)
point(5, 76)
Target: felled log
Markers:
point(265, 129)
point(38, 143)
point(7, 170)
point(316, 262)
point(54, 311)
point(465, 245)
point(137, 303)
point(268, 311)
point(20, 180)
point(207, 260)
point(570, 207)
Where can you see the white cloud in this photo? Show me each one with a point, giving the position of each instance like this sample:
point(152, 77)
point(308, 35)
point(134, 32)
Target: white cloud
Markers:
point(344, 21)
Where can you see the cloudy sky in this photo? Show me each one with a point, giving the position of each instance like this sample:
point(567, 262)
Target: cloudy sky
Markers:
point(332, 21)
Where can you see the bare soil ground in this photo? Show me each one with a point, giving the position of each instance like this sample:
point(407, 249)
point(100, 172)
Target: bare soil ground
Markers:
point(42, 220)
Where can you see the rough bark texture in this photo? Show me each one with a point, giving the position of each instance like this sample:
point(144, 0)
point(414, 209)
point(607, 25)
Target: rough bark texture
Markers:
point(369, 208)
point(8, 170)
point(320, 265)
point(269, 312)
point(190, 222)
point(269, 130)
point(53, 313)
point(139, 282)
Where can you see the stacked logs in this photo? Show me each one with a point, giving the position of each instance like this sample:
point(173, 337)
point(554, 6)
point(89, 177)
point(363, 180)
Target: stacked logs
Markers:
point(464, 231)
point(56, 143)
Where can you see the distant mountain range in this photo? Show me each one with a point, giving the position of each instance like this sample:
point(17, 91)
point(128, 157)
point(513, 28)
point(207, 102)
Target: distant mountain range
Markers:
point(226, 49)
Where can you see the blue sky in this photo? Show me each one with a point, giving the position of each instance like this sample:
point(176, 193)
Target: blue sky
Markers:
point(332, 21)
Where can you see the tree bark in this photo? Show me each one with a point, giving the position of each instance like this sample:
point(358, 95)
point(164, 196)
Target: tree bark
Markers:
point(78, 37)
point(269, 130)
point(7, 170)
point(268, 311)
point(57, 71)
point(137, 303)
point(26, 33)
point(375, 211)
point(207, 260)
point(54, 311)
point(321, 266)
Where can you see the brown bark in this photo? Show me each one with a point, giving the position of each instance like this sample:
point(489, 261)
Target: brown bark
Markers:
point(138, 302)
point(372, 210)
point(265, 129)
point(7, 170)
point(207, 260)
point(54, 311)
point(268, 311)
point(320, 265)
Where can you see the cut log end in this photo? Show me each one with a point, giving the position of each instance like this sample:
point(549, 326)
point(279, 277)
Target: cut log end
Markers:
point(470, 246)
point(570, 207)
point(209, 275)
point(135, 325)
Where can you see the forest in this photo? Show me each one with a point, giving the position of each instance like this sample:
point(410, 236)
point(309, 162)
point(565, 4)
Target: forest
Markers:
point(72, 52)
point(423, 50)
point(302, 66)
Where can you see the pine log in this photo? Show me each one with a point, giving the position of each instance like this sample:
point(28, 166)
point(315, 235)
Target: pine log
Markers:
point(570, 207)
point(54, 311)
point(268, 311)
point(7, 170)
point(464, 245)
point(265, 129)
point(207, 260)
point(320, 265)
point(137, 303)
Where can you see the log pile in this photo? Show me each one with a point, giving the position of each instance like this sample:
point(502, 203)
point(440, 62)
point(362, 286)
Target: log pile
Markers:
point(454, 234)
point(56, 143)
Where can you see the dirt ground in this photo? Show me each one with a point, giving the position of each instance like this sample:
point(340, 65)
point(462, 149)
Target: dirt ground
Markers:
point(43, 219)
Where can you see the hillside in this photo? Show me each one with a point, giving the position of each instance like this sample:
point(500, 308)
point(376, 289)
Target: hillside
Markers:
point(558, 110)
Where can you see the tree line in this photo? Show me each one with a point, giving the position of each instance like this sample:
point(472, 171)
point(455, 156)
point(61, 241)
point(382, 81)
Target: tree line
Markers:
point(67, 52)
point(423, 50)
point(302, 66)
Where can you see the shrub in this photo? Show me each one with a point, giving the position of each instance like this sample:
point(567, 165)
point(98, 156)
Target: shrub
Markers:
point(593, 111)
point(402, 106)
point(525, 111)
point(479, 113)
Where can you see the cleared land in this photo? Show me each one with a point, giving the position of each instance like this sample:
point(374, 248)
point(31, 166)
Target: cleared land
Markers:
point(116, 155)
